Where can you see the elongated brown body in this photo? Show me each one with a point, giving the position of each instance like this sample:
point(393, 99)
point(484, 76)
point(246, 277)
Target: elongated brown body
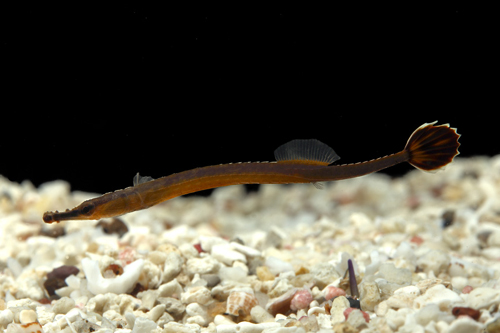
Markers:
point(300, 161)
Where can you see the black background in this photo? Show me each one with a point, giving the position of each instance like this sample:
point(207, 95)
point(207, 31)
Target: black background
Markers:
point(95, 93)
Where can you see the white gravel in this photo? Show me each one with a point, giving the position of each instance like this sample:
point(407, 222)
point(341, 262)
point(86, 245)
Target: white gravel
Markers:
point(234, 262)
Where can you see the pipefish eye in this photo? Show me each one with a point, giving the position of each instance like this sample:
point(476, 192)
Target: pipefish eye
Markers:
point(87, 208)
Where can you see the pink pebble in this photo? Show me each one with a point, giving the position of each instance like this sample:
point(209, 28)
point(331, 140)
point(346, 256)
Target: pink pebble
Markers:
point(332, 292)
point(467, 289)
point(198, 247)
point(348, 311)
point(301, 300)
point(127, 255)
point(417, 240)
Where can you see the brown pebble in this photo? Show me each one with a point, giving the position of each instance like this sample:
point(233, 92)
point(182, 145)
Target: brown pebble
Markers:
point(137, 289)
point(55, 279)
point(463, 311)
point(115, 226)
point(282, 303)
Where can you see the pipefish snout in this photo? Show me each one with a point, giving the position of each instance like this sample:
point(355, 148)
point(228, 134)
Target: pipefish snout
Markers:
point(429, 148)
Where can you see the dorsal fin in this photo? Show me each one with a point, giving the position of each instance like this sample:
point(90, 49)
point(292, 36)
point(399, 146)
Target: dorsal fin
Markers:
point(309, 151)
point(138, 179)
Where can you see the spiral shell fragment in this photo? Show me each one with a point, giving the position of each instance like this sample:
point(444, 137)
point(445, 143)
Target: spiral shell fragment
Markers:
point(240, 303)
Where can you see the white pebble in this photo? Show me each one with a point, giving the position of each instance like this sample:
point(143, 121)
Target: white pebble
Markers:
point(188, 251)
point(28, 287)
point(226, 254)
point(246, 250)
point(196, 310)
point(170, 289)
point(207, 242)
point(315, 310)
point(155, 313)
point(143, 325)
point(400, 301)
point(227, 328)
point(220, 320)
point(370, 295)
point(339, 305)
point(173, 266)
point(356, 318)
point(27, 316)
point(396, 319)
point(174, 327)
point(14, 266)
point(157, 257)
point(6, 317)
point(44, 315)
point(428, 313)
point(434, 261)
point(73, 281)
point(483, 298)
point(203, 265)
point(148, 299)
point(232, 274)
point(361, 222)
point(260, 315)
point(324, 321)
point(98, 302)
point(395, 275)
point(440, 295)
point(130, 318)
point(465, 324)
point(408, 290)
point(381, 309)
point(246, 327)
point(172, 305)
point(284, 330)
point(406, 252)
point(121, 284)
point(63, 305)
point(200, 295)
point(277, 266)
point(197, 320)
point(19, 328)
point(22, 302)
point(459, 282)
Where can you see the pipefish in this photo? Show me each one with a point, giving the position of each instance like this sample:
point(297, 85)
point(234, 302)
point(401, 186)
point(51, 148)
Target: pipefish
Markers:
point(429, 148)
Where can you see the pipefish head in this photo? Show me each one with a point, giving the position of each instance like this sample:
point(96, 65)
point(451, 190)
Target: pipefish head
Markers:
point(85, 211)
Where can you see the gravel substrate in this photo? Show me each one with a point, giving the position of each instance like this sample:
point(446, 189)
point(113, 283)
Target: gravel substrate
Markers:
point(425, 248)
